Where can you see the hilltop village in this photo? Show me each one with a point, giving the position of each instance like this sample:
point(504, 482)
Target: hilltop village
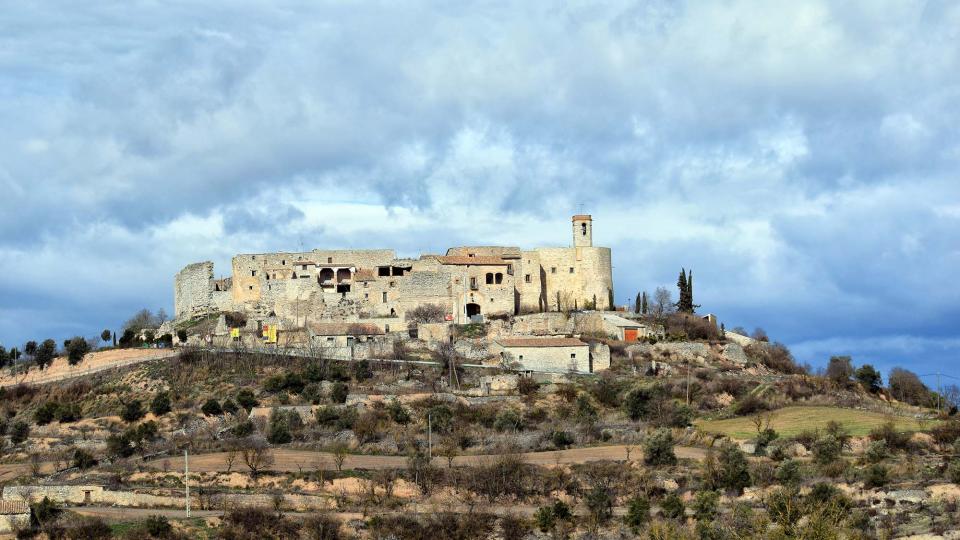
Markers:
point(487, 393)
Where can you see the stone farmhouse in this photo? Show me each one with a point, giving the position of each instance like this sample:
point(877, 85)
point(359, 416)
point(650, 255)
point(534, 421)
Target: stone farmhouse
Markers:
point(304, 289)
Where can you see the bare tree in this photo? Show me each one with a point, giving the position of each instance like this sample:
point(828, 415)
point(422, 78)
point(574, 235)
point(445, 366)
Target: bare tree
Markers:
point(662, 302)
point(339, 455)
point(256, 455)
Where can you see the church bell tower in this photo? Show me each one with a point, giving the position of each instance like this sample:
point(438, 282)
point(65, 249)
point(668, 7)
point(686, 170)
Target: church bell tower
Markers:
point(582, 231)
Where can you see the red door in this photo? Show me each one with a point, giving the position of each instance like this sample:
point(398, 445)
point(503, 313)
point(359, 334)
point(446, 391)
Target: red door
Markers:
point(630, 334)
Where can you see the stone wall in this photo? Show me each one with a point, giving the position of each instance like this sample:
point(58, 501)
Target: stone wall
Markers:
point(11, 523)
point(191, 290)
point(549, 359)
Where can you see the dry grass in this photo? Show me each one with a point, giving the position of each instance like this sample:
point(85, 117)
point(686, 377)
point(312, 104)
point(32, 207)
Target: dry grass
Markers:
point(793, 420)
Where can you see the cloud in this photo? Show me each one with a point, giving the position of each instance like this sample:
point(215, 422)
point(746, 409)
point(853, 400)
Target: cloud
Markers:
point(800, 157)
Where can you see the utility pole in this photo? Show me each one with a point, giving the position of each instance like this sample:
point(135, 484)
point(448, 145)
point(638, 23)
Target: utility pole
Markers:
point(688, 385)
point(186, 477)
point(430, 437)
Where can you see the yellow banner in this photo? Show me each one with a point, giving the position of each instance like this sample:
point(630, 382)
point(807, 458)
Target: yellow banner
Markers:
point(235, 333)
point(269, 333)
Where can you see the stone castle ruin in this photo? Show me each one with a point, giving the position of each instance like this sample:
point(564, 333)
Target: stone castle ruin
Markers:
point(469, 283)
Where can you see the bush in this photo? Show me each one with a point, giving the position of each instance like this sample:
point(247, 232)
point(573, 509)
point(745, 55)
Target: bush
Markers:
point(361, 370)
point(561, 439)
point(246, 399)
point(508, 420)
point(751, 404)
point(230, 407)
point(876, 476)
point(789, 473)
point(89, 528)
point(876, 451)
point(672, 506)
point(426, 313)
point(398, 413)
point(840, 370)
point(733, 471)
point(211, 408)
point(706, 505)
point(132, 411)
point(46, 413)
point(160, 404)
point(527, 386)
point(322, 527)
point(658, 448)
point(83, 459)
point(893, 439)
point(339, 392)
point(953, 471)
point(638, 513)
point(19, 432)
point(775, 356)
point(826, 450)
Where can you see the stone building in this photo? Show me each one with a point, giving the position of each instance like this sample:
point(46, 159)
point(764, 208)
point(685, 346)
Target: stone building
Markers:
point(469, 283)
point(546, 354)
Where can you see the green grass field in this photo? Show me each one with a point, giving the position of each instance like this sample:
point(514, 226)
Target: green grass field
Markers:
point(793, 420)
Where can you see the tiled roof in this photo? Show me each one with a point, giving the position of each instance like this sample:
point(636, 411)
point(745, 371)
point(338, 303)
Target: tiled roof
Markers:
point(345, 329)
point(582, 217)
point(8, 507)
point(541, 342)
point(622, 322)
point(480, 261)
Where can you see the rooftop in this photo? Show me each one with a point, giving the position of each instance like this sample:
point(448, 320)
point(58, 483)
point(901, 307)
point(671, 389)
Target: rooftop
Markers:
point(481, 261)
point(345, 329)
point(541, 342)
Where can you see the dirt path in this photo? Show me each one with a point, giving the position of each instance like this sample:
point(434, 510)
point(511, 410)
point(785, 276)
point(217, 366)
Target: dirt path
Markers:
point(286, 460)
point(61, 370)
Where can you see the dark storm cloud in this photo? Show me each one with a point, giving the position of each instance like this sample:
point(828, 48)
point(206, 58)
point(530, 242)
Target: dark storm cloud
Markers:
point(801, 157)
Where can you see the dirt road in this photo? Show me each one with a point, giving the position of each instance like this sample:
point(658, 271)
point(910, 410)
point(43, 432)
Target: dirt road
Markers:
point(304, 460)
point(95, 362)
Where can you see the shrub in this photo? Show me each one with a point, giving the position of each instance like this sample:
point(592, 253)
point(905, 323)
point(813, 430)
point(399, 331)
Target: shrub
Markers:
point(876, 476)
point(826, 449)
point(339, 392)
point(398, 413)
point(869, 378)
point(211, 408)
point(672, 506)
point(182, 336)
point(561, 439)
point(638, 513)
point(789, 473)
point(160, 404)
point(876, 451)
point(361, 370)
point(19, 432)
point(706, 505)
point(893, 439)
point(83, 459)
point(953, 471)
point(733, 471)
point(132, 411)
point(246, 399)
point(322, 527)
point(514, 527)
point(89, 528)
point(775, 356)
point(658, 448)
point(527, 386)
point(230, 407)
point(751, 404)
point(46, 413)
point(426, 313)
point(157, 526)
point(840, 369)
point(508, 420)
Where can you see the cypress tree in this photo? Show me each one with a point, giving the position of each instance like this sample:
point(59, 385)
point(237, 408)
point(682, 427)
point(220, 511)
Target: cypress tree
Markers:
point(682, 286)
point(644, 307)
point(636, 305)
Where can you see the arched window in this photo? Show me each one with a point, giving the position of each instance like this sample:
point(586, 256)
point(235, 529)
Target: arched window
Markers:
point(489, 278)
point(499, 278)
point(583, 229)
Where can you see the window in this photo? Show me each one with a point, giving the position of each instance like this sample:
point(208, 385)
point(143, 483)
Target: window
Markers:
point(583, 229)
point(571, 269)
point(283, 262)
point(383, 271)
point(573, 356)
point(329, 260)
point(330, 340)
point(553, 269)
point(366, 296)
point(386, 328)
point(384, 297)
point(526, 278)
point(251, 287)
point(489, 278)
point(253, 273)
point(498, 278)
point(303, 267)
point(521, 357)
point(267, 276)
point(393, 283)
point(491, 299)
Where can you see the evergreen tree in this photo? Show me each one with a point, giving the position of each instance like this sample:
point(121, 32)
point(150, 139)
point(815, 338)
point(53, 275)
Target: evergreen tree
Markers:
point(690, 303)
point(644, 304)
point(636, 305)
point(682, 284)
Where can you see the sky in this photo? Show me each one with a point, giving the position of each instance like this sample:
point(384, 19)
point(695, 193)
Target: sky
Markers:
point(801, 157)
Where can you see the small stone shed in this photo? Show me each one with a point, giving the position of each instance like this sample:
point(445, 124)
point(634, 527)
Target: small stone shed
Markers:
point(546, 354)
point(624, 329)
point(14, 515)
point(337, 334)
